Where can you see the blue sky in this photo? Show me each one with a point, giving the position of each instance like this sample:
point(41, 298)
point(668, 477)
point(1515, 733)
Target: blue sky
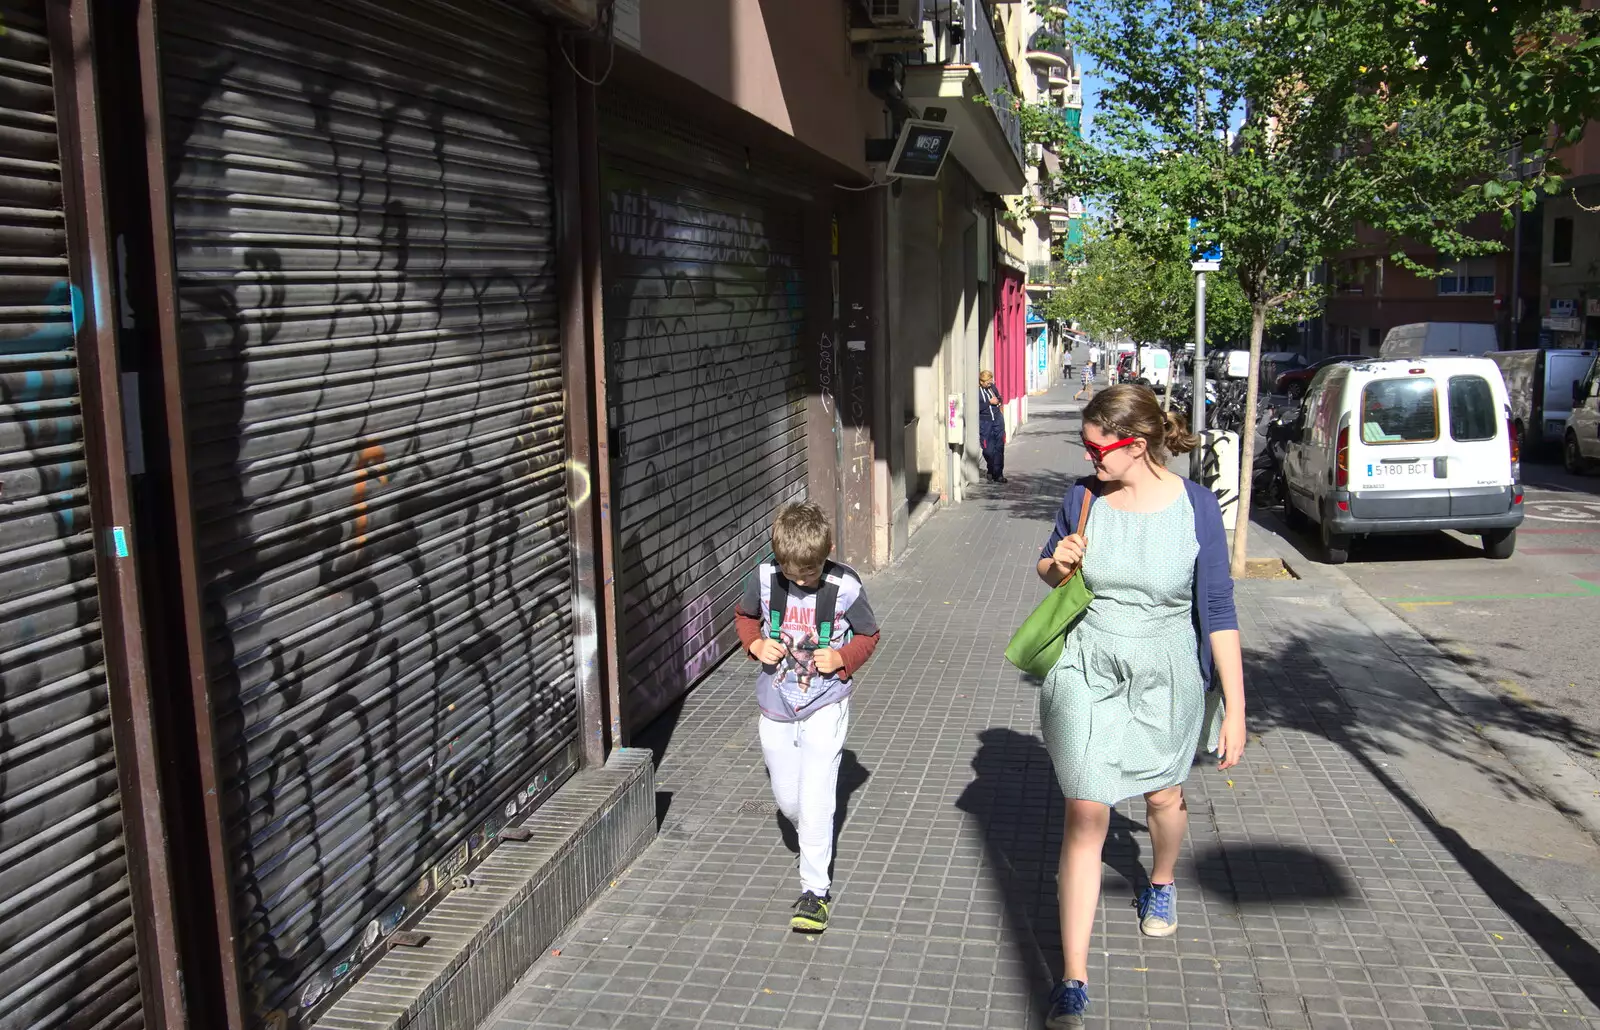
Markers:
point(1091, 99)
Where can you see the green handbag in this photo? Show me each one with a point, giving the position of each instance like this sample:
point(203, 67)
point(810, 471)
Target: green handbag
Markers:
point(1036, 645)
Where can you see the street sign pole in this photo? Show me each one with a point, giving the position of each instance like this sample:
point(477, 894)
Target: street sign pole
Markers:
point(1197, 389)
point(1203, 258)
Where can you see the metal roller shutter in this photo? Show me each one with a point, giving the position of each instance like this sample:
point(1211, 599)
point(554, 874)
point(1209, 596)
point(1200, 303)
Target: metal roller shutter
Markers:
point(67, 956)
point(362, 208)
point(705, 305)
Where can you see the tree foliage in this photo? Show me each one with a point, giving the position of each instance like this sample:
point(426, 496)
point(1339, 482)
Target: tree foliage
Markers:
point(1120, 291)
point(1284, 125)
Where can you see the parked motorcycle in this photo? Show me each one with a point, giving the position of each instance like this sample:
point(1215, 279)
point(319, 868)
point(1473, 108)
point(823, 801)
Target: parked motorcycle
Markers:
point(1276, 431)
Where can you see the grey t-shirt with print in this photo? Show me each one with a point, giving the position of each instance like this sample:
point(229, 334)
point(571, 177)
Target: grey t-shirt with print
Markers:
point(797, 689)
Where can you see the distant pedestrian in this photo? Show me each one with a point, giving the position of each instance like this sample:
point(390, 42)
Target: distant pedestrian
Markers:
point(1088, 383)
point(1136, 690)
point(991, 427)
point(807, 621)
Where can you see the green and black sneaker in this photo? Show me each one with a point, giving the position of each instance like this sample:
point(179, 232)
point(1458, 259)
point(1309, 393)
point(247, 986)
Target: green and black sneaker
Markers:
point(810, 914)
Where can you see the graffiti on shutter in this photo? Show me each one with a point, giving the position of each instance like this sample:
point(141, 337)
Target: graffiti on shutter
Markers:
point(705, 306)
point(373, 398)
point(67, 959)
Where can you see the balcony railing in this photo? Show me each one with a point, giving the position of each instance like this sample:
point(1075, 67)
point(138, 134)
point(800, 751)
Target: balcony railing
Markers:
point(980, 50)
point(1047, 273)
point(1049, 47)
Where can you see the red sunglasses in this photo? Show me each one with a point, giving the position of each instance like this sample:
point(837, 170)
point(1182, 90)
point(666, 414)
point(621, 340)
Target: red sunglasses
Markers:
point(1099, 451)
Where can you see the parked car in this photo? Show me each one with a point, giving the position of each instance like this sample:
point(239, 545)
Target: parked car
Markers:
point(1438, 339)
point(1275, 363)
point(1581, 439)
point(1405, 447)
point(1293, 383)
point(1539, 385)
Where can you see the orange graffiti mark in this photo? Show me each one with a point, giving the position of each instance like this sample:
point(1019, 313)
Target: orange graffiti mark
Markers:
point(370, 456)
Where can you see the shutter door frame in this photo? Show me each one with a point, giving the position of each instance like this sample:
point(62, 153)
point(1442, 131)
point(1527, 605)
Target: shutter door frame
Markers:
point(642, 140)
point(377, 35)
point(153, 997)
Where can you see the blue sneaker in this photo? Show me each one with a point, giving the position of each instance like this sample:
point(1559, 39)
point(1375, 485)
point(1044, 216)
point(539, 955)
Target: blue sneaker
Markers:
point(1158, 910)
point(1067, 1002)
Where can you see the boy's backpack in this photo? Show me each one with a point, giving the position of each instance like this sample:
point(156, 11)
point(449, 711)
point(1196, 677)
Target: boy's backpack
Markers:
point(827, 602)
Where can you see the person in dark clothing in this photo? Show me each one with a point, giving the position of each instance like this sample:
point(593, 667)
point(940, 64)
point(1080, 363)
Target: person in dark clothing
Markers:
point(991, 426)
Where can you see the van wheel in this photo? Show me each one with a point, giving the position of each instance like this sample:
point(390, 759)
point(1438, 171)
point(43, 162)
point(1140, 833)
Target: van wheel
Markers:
point(1499, 543)
point(1572, 455)
point(1335, 546)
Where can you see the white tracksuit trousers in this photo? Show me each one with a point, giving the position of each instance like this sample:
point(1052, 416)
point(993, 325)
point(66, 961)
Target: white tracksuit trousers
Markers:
point(803, 761)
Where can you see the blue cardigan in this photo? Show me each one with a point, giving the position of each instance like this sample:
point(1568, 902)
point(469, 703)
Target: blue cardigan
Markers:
point(1213, 582)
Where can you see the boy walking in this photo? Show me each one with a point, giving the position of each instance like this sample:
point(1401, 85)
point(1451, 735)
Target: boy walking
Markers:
point(807, 621)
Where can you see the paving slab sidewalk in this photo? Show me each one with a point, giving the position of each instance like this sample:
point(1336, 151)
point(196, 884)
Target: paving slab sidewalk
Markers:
point(1319, 889)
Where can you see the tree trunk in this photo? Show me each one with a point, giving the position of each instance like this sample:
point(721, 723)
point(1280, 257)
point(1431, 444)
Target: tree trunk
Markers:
point(1247, 438)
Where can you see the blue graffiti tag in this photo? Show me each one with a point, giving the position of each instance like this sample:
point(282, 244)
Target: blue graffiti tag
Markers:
point(62, 294)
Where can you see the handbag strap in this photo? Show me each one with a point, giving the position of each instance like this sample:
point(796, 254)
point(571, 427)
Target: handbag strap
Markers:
point(1083, 523)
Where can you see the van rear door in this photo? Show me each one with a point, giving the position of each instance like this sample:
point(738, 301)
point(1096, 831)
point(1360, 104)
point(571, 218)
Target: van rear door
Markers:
point(1395, 438)
point(1477, 444)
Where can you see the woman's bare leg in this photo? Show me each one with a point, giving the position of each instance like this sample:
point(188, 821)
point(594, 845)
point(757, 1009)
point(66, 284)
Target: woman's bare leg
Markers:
point(1168, 816)
point(1078, 887)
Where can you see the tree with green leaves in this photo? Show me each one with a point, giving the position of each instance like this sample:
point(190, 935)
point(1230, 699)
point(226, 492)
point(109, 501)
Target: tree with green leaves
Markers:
point(1283, 127)
point(1120, 290)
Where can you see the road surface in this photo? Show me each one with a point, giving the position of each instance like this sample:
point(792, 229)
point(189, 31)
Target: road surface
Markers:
point(1529, 626)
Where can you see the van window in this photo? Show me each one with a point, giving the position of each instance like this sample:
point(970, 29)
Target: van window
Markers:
point(1399, 411)
point(1472, 412)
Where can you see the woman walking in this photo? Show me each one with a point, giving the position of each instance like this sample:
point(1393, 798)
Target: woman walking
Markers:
point(1088, 382)
point(1133, 695)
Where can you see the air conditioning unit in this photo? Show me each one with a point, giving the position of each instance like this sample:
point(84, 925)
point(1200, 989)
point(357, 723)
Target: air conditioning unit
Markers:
point(895, 14)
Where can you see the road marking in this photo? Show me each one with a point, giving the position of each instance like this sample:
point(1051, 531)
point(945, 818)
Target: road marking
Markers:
point(1561, 550)
point(1566, 511)
point(1587, 590)
point(1530, 530)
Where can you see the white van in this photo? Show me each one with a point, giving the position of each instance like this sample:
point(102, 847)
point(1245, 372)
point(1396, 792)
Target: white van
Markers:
point(1580, 443)
point(1406, 447)
point(1539, 384)
point(1438, 339)
point(1155, 366)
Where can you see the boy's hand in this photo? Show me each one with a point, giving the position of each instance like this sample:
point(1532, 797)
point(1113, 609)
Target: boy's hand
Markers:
point(828, 661)
point(768, 651)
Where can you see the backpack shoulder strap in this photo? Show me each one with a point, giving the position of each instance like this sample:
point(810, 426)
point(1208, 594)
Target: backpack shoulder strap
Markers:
point(827, 604)
point(777, 603)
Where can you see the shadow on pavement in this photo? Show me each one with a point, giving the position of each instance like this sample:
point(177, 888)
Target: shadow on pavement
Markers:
point(1014, 799)
point(1269, 873)
point(656, 736)
point(1290, 689)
